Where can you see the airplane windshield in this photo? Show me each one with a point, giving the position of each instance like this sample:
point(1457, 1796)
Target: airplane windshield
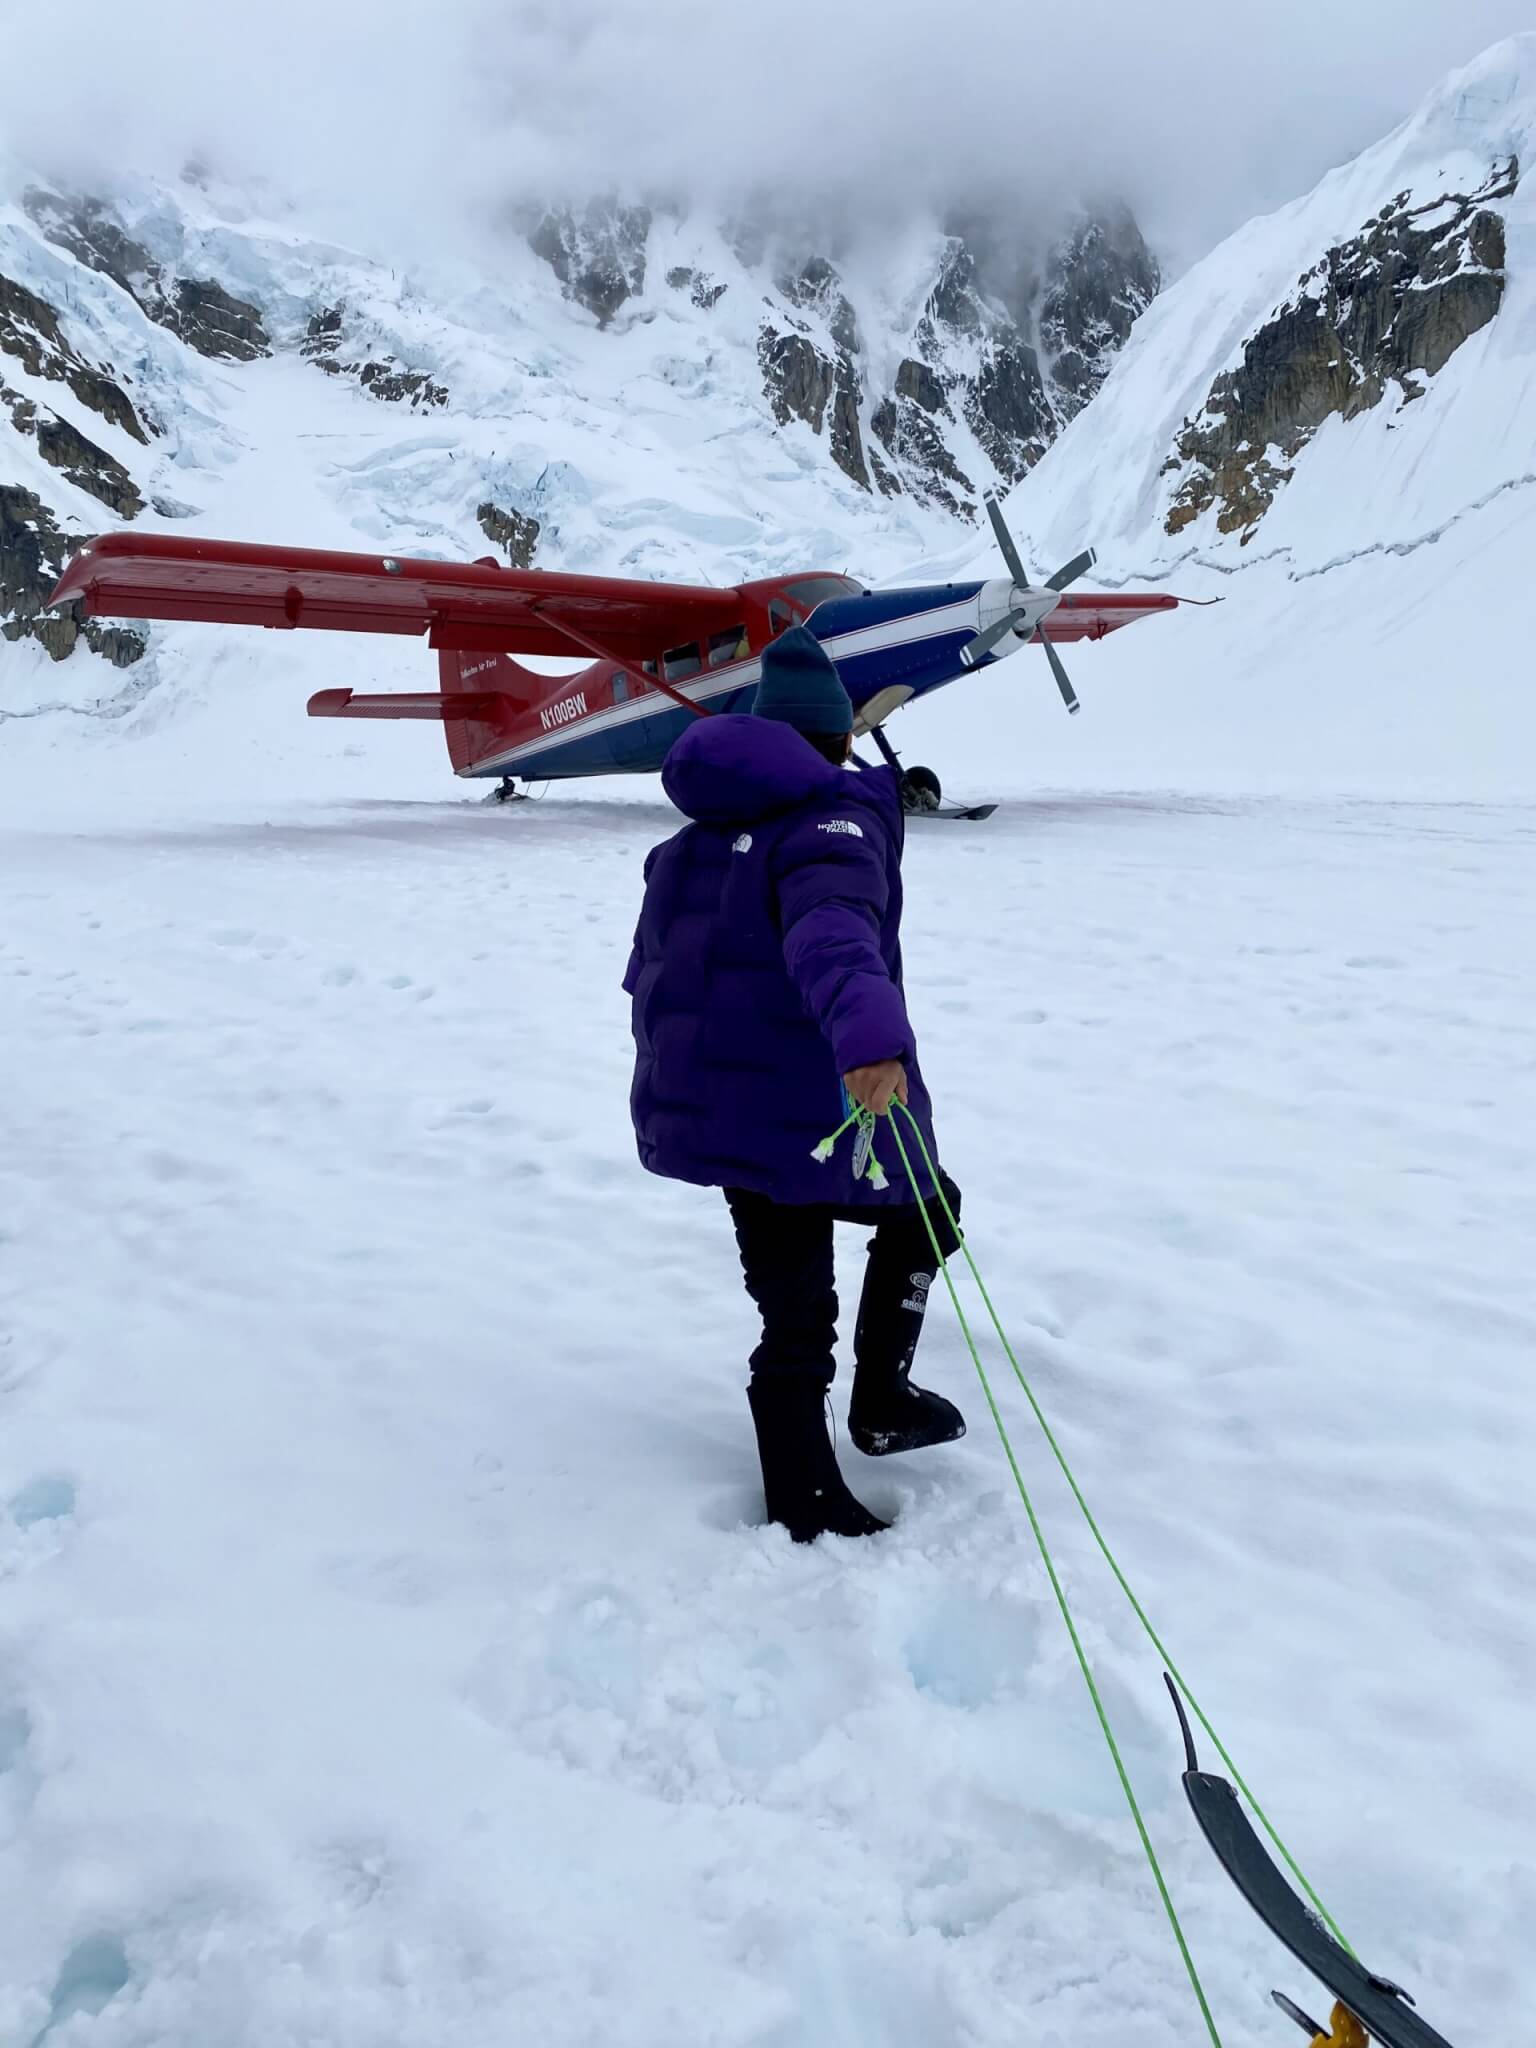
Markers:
point(813, 590)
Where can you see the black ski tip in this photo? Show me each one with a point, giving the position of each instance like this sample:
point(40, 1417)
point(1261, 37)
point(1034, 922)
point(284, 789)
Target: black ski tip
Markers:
point(1191, 1760)
point(1294, 2012)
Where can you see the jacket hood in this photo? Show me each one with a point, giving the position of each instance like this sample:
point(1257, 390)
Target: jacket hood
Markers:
point(732, 769)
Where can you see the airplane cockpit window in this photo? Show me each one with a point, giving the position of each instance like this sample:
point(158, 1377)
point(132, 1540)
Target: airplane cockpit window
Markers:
point(731, 645)
point(620, 689)
point(678, 663)
point(814, 590)
point(781, 617)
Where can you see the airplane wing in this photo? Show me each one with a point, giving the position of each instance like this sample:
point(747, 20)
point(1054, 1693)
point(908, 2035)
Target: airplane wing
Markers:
point(473, 607)
point(1090, 614)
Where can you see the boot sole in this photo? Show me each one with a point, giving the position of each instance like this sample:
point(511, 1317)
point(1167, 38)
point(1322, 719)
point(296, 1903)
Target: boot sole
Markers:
point(889, 1443)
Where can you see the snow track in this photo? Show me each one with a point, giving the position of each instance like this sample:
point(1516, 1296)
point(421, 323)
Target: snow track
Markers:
point(387, 1652)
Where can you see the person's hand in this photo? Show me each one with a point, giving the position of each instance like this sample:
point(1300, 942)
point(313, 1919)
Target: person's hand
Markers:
point(876, 1087)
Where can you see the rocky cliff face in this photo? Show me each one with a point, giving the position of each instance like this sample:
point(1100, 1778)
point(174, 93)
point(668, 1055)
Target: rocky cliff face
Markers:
point(329, 346)
point(1006, 347)
point(198, 310)
point(1012, 337)
point(923, 391)
point(598, 253)
point(33, 548)
point(1385, 310)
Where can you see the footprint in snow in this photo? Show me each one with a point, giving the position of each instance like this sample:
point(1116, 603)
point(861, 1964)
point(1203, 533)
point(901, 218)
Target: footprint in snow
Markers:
point(970, 1651)
point(15, 1734)
point(90, 1977)
point(50, 1497)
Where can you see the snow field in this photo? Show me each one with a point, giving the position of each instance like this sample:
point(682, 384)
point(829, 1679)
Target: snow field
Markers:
point(387, 1648)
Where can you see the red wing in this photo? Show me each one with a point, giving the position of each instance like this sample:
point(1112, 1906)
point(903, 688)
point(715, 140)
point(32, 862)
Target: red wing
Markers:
point(468, 607)
point(1090, 614)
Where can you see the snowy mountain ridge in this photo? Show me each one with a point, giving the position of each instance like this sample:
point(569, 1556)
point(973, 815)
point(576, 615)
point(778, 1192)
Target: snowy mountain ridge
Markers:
point(1338, 388)
point(1241, 424)
point(632, 389)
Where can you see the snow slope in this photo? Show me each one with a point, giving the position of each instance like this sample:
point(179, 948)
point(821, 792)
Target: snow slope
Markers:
point(382, 1653)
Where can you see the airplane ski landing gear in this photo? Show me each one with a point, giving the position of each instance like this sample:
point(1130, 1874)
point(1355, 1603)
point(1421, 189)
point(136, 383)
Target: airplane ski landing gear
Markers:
point(921, 793)
point(506, 792)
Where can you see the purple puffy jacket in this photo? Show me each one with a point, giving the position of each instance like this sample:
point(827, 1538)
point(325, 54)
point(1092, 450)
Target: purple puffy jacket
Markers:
point(766, 964)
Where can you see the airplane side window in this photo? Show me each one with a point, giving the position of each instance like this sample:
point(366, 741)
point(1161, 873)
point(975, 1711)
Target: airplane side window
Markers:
point(678, 663)
point(781, 617)
point(620, 689)
point(731, 645)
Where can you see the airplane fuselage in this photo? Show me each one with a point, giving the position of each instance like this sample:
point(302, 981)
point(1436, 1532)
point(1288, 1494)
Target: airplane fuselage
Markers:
point(614, 719)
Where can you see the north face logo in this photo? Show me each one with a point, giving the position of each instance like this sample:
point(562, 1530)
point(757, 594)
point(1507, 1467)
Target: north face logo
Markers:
point(743, 844)
point(842, 825)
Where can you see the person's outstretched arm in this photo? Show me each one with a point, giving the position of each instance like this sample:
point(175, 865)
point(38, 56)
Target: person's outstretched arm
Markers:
point(829, 875)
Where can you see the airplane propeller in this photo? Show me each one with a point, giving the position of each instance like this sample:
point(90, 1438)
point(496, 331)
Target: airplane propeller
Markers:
point(1032, 614)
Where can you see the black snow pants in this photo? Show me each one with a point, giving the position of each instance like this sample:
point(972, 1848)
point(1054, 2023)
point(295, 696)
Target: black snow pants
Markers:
point(786, 1259)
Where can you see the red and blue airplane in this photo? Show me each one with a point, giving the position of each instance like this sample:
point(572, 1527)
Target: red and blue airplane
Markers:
point(660, 653)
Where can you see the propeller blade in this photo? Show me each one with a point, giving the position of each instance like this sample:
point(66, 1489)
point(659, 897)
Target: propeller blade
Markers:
point(1005, 544)
point(1078, 566)
point(988, 638)
point(1068, 694)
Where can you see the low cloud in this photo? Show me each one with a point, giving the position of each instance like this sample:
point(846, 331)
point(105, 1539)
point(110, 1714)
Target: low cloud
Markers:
point(408, 126)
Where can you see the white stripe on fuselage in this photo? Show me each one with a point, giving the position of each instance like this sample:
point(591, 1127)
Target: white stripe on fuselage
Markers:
point(967, 616)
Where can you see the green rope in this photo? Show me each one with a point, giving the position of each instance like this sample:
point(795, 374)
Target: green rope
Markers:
point(1098, 1535)
point(1056, 1586)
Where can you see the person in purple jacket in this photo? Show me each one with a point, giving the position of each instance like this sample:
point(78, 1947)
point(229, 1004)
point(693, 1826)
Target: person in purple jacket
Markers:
point(767, 993)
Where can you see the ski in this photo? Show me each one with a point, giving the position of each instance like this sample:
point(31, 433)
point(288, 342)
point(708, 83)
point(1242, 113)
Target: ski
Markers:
point(1375, 2003)
point(973, 813)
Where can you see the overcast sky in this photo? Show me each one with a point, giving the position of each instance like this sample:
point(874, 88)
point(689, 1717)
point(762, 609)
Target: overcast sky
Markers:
point(406, 121)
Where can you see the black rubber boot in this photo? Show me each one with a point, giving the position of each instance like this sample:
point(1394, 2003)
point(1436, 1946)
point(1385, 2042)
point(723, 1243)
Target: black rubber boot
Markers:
point(887, 1413)
point(802, 1486)
point(897, 1416)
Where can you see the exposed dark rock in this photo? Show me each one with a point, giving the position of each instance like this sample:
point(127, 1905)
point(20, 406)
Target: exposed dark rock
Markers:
point(381, 377)
point(118, 644)
point(30, 331)
point(1099, 279)
point(803, 383)
point(816, 287)
point(1007, 407)
point(322, 338)
point(803, 380)
point(1386, 309)
point(88, 467)
point(954, 302)
point(699, 285)
point(847, 441)
point(905, 429)
point(798, 377)
point(920, 383)
point(197, 309)
point(33, 552)
point(214, 322)
point(597, 254)
point(392, 381)
point(992, 377)
point(517, 532)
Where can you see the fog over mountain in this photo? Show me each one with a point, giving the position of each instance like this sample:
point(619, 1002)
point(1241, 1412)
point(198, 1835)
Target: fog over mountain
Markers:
point(411, 130)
